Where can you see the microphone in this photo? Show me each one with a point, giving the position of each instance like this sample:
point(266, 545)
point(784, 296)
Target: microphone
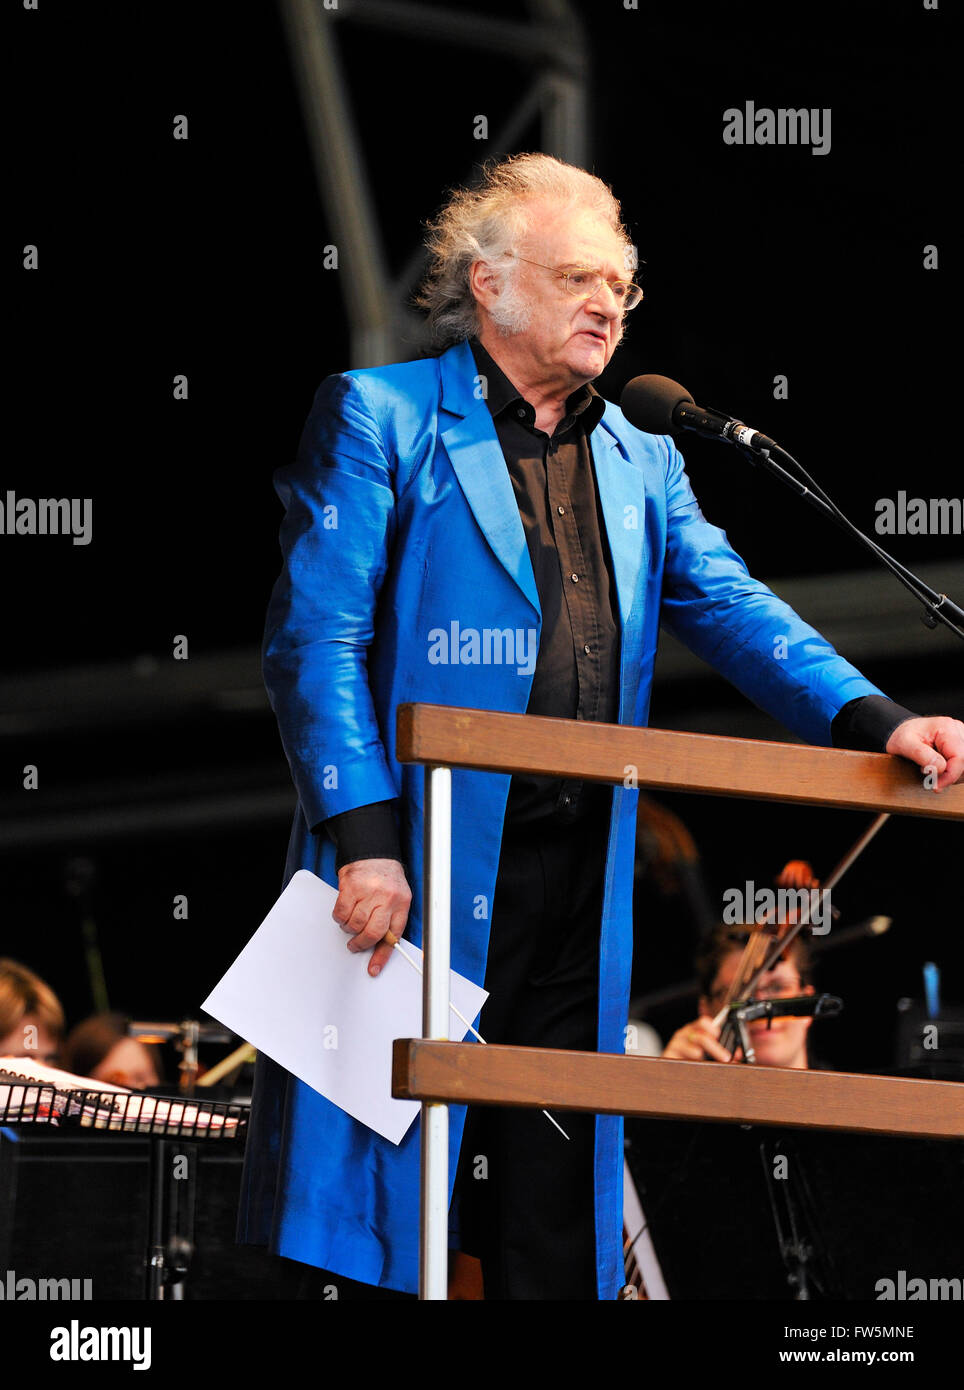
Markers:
point(660, 406)
point(870, 927)
point(799, 1006)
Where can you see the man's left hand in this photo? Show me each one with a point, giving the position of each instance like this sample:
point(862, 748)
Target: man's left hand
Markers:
point(936, 743)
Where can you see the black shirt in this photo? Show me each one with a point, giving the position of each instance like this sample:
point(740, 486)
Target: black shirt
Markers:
point(577, 668)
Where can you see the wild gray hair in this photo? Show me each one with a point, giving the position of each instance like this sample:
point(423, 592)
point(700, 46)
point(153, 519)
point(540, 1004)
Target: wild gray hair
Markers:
point(485, 222)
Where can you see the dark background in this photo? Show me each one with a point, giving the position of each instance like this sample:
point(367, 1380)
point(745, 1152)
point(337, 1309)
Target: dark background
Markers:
point(204, 257)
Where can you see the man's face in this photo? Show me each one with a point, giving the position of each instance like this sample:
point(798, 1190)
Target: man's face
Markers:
point(566, 340)
point(782, 1042)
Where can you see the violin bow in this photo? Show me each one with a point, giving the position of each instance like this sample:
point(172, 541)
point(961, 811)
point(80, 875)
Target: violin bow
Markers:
point(757, 957)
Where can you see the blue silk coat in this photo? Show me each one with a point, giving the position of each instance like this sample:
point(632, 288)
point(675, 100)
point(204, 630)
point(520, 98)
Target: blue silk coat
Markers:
point(400, 521)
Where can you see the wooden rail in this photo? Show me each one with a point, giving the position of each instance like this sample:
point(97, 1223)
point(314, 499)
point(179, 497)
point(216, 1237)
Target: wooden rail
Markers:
point(608, 1084)
point(442, 736)
point(440, 1073)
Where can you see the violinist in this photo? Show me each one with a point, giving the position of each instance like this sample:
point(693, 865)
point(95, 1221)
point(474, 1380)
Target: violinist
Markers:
point(777, 1042)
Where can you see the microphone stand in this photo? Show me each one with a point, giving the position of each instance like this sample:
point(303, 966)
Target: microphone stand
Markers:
point(747, 1011)
point(938, 607)
point(806, 1258)
point(805, 1254)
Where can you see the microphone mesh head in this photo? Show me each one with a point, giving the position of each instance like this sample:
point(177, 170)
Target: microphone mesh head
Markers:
point(648, 403)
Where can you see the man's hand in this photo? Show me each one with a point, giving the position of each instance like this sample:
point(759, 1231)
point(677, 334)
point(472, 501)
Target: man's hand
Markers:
point(373, 898)
point(696, 1042)
point(936, 743)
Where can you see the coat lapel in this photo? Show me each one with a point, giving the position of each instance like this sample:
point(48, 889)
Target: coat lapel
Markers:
point(623, 496)
point(473, 448)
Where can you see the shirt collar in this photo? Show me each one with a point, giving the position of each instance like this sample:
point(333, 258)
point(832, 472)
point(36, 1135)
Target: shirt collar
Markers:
point(500, 393)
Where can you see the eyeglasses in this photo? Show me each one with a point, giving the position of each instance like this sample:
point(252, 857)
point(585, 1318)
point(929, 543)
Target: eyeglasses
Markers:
point(783, 989)
point(583, 283)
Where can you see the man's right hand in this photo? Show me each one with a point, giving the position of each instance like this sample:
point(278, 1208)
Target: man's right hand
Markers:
point(373, 898)
point(697, 1042)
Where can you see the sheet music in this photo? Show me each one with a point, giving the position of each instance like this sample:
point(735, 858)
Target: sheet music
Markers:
point(35, 1092)
point(298, 995)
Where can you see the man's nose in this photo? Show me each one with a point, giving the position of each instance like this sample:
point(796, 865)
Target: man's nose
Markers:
point(603, 301)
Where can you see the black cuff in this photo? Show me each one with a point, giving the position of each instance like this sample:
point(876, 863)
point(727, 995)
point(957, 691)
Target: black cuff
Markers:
point(367, 832)
point(867, 723)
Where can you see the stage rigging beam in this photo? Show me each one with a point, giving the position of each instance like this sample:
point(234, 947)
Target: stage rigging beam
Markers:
point(383, 328)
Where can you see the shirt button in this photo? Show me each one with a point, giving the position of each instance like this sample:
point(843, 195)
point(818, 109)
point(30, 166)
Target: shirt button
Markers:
point(574, 578)
point(561, 511)
point(587, 649)
point(521, 412)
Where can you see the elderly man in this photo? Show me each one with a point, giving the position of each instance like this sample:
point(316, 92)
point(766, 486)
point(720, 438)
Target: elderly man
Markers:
point(482, 529)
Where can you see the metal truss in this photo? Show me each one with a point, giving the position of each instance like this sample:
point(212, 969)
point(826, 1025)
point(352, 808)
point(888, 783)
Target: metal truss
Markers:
point(382, 326)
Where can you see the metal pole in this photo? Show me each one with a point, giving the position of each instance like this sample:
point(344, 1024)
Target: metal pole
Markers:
point(436, 942)
point(340, 171)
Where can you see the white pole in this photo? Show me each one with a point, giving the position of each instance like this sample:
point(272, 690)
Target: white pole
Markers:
point(436, 942)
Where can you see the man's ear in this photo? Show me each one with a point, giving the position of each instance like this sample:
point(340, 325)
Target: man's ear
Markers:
point(485, 283)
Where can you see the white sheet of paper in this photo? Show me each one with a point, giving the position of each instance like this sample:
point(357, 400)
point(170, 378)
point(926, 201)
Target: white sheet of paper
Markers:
point(300, 996)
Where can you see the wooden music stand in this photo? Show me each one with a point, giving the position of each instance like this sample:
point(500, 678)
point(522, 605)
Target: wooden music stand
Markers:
point(440, 1073)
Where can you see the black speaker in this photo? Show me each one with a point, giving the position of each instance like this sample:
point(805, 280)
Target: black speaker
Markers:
point(77, 1206)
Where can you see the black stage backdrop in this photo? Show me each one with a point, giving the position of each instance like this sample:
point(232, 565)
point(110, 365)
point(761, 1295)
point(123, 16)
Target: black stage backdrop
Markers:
point(790, 286)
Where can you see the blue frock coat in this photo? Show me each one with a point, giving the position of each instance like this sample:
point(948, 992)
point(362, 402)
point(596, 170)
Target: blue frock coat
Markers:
point(400, 522)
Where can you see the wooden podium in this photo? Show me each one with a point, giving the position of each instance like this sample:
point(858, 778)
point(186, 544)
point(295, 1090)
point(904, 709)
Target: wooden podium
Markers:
point(438, 1073)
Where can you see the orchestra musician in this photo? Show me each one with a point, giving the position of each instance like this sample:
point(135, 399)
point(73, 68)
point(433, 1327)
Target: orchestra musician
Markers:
point(100, 1047)
point(31, 1015)
point(777, 1042)
point(780, 1041)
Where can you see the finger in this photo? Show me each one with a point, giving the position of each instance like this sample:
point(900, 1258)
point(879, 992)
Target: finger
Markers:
point(381, 955)
point(400, 920)
point(358, 919)
point(676, 1048)
point(373, 930)
point(699, 1044)
point(928, 757)
point(383, 951)
point(715, 1050)
point(345, 905)
point(950, 744)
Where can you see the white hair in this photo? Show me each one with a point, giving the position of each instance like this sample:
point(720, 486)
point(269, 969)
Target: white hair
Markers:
point(484, 223)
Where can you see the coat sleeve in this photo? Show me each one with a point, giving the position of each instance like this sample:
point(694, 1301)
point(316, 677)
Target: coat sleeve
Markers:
point(740, 627)
point(336, 540)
